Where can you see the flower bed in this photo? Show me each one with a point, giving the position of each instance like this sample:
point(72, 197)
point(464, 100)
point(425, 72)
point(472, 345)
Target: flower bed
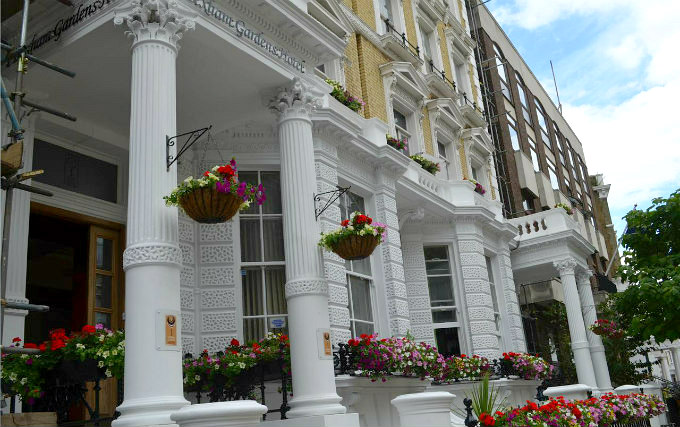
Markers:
point(528, 366)
point(357, 237)
point(428, 165)
point(379, 359)
point(606, 328)
point(230, 375)
point(602, 411)
point(479, 188)
point(344, 97)
point(94, 346)
point(396, 143)
point(217, 196)
point(565, 207)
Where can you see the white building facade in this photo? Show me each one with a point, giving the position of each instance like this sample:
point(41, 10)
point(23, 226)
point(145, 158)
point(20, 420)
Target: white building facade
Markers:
point(445, 274)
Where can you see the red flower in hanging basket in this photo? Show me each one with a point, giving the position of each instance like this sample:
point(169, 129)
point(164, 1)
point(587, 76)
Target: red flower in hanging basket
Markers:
point(217, 196)
point(357, 238)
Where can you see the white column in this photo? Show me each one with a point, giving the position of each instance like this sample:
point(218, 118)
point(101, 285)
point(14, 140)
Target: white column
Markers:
point(152, 259)
point(676, 360)
point(306, 288)
point(577, 329)
point(597, 354)
point(665, 369)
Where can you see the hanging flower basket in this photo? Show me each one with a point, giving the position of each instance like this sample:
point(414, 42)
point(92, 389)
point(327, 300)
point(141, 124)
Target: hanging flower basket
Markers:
point(356, 239)
point(215, 197)
point(209, 206)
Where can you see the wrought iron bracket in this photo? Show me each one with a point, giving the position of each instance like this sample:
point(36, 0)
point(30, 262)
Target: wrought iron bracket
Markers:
point(335, 196)
point(170, 141)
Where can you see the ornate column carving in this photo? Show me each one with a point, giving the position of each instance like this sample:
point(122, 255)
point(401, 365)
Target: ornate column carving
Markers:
point(577, 329)
point(152, 259)
point(594, 341)
point(306, 287)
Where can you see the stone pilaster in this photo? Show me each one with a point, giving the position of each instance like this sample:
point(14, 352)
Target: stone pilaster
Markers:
point(514, 320)
point(306, 287)
point(477, 290)
point(17, 255)
point(417, 290)
point(334, 267)
point(153, 258)
point(392, 258)
point(577, 329)
point(594, 341)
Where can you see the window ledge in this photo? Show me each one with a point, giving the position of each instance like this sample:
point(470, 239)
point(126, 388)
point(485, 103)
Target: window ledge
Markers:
point(394, 45)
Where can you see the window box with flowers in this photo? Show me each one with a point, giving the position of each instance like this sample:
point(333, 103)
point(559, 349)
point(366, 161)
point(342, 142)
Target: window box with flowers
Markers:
point(344, 97)
point(91, 354)
point(479, 188)
point(215, 197)
point(568, 209)
point(356, 239)
point(426, 164)
point(400, 145)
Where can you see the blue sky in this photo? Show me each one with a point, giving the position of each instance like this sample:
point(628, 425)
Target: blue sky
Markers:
point(618, 73)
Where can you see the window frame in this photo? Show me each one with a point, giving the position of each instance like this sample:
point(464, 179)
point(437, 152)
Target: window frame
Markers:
point(262, 265)
point(523, 98)
point(455, 307)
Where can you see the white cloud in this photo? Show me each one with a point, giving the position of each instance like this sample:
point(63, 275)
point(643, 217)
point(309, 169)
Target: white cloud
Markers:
point(635, 143)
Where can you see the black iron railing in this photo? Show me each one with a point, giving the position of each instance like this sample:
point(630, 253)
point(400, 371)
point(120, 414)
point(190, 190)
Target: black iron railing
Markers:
point(441, 74)
point(413, 49)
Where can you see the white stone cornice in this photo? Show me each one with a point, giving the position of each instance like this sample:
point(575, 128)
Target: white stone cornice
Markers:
point(565, 266)
point(155, 20)
point(300, 98)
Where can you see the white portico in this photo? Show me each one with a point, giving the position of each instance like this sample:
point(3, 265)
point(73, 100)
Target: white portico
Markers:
point(551, 246)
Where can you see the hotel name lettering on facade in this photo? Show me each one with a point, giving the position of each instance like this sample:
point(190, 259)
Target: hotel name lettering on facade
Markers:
point(241, 30)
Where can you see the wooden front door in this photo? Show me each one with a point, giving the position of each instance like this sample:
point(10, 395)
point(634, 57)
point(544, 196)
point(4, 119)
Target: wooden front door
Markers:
point(104, 300)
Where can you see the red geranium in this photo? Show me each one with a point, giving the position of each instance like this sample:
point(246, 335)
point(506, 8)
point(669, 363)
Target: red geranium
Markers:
point(226, 170)
point(234, 342)
point(16, 339)
point(345, 223)
point(89, 329)
point(30, 345)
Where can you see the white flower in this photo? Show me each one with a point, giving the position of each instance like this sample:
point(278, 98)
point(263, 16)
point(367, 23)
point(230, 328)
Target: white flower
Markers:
point(105, 354)
point(362, 232)
point(107, 373)
point(100, 364)
point(24, 380)
point(197, 377)
point(189, 179)
point(350, 227)
point(114, 352)
point(80, 346)
point(13, 377)
point(100, 338)
point(241, 365)
point(185, 380)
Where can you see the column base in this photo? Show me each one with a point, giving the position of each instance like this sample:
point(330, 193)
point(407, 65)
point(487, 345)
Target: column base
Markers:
point(337, 420)
point(315, 406)
point(147, 412)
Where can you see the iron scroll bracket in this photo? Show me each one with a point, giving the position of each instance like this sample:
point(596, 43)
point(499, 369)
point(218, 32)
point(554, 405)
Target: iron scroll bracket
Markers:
point(335, 196)
point(192, 137)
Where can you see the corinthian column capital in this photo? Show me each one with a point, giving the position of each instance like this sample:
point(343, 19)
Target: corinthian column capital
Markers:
point(300, 98)
point(162, 21)
point(583, 277)
point(565, 266)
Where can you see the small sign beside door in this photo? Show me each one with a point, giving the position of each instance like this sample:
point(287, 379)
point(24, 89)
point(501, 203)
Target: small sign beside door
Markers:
point(323, 338)
point(277, 322)
point(167, 330)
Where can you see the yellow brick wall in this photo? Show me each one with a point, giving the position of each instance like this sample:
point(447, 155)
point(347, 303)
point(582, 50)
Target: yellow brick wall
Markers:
point(461, 13)
point(471, 73)
point(445, 50)
point(352, 75)
point(364, 10)
point(372, 89)
point(427, 132)
point(463, 160)
point(410, 22)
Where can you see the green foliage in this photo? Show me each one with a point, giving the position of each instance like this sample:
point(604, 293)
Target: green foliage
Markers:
point(428, 165)
point(619, 352)
point(649, 307)
point(485, 398)
point(343, 95)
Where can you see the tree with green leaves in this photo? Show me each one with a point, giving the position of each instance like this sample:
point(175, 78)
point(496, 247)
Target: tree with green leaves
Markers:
point(651, 304)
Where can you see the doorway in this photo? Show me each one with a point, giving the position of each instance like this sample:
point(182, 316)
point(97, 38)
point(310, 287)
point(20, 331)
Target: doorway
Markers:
point(74, 266)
